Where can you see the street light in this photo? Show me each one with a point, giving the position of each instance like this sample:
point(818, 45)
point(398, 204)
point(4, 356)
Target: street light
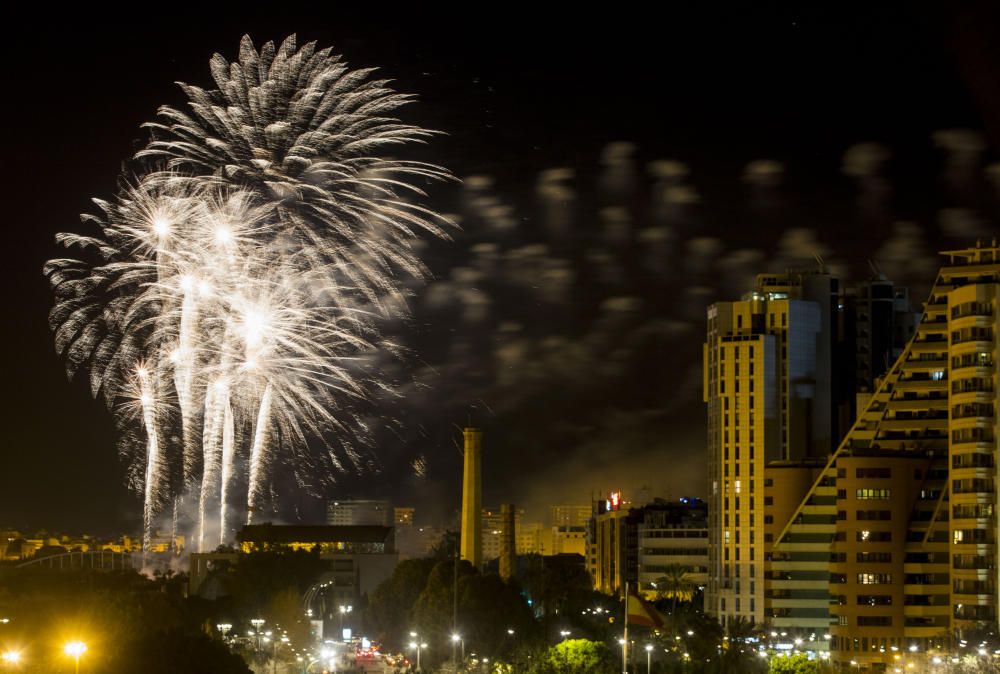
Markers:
point(11, 658)
point(649, 657)
point(344, 609)
point(257, 624)
point(75, 649)
point(418, 647)
point(224, 628)
point(564, 634)
point(457, 639)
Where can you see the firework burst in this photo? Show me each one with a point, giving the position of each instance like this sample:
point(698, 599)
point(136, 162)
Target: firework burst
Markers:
point(231, 288)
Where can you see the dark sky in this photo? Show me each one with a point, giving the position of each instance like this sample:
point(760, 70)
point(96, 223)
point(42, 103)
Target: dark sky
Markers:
point(516, 94)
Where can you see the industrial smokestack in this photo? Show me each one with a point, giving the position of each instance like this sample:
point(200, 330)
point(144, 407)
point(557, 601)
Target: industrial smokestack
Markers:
point(472, 498)
point(508, 545)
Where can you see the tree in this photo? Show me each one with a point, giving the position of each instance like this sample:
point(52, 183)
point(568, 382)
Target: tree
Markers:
point(391, 604)
point(285, 610)
point(432, 613)
point(563, 588)
point(739, 655)
point(793, 664)
point(259, 576)
point(577, 656)
point(675, 584)
point(176, 651)
point(488, 607)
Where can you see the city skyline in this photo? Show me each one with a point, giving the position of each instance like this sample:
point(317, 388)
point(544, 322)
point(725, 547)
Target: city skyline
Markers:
point(48, 478)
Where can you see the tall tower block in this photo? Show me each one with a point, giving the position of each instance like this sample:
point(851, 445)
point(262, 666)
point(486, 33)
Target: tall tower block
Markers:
point(472, 498)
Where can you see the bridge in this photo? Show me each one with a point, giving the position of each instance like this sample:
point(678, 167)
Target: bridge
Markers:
point(98, 560)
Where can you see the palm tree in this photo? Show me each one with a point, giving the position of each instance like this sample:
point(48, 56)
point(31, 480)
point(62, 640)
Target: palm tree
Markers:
point(738, 656)
point(674, 583)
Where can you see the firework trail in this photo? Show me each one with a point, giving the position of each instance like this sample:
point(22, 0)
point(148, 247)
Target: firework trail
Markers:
point(148, 401)
point(211, 462)
point(242, 272)
point(227, 467)
point(260, 443)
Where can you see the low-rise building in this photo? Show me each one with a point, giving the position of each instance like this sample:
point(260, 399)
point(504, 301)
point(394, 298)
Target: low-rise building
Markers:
point(638, 545)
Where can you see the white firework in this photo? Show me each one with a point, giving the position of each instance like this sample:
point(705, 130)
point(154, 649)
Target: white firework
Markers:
point(237, 280)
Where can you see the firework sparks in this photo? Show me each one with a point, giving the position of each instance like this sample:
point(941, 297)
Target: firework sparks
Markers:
point(242, 272)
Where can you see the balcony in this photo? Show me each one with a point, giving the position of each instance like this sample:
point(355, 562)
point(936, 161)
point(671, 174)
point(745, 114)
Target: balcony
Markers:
point(969, 344)
point(927, 364)
point(926, 611)
point(971, 422)
point(941, 588)
point(968, 371)
point(964, 396)
point(929, 346)
point(939, 424)
point(968, 320)
point(921, 384)
point(910, 404)
point(925, 568)
point(936, 325)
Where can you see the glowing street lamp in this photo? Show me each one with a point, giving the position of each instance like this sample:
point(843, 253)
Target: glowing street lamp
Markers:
point(10, 658)
point(343, 611)
point(224, 629)
point(257, 624)
point(418, 647)
point(649, 657)
point(564, 634)
point(75, 649)
point(457, 639)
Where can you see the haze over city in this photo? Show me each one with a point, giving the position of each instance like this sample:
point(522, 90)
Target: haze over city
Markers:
point(320, 245)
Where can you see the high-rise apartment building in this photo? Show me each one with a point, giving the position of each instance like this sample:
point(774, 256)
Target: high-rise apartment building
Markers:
point(569, 515)
point(889, 545)
point(780, 378)
point(913, 536)
point(876, 322)
point(769, 396)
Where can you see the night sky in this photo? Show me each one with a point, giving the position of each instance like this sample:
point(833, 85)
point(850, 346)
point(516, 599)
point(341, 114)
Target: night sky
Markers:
point(567, 315)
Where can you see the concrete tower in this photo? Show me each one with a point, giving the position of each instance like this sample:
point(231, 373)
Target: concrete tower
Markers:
point(472, 498)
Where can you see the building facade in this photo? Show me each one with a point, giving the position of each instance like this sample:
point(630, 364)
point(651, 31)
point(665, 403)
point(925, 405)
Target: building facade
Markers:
point(493, 528)
point(673, 534)
point(639, 545)
point(781, 372)
point(769, 397)
point(887, 549)
point(355, 513)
